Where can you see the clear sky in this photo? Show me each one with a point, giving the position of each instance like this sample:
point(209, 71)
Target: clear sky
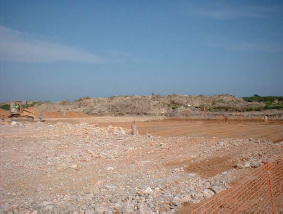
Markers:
point(56, 50)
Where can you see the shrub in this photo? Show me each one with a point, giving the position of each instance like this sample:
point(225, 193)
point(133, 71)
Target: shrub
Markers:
point(273, 106)
point(174, 107)
point(5, 107)
point(268, 99)
point(82, 98)
point(30, 105)
point(254, 109)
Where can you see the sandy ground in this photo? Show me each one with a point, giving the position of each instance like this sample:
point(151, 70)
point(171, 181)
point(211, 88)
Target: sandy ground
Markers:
point(86, 164)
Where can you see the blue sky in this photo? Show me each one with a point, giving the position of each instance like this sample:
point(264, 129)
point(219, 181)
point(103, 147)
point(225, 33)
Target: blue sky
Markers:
point(57, 50)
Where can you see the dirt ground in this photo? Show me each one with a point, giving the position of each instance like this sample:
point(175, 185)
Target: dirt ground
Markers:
point(89, 164)
point(3, 113)
point(36, 113)
point(160, 126)
point(207, 128)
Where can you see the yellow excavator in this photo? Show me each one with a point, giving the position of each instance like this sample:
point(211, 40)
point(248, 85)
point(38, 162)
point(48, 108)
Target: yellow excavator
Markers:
point(18, 112)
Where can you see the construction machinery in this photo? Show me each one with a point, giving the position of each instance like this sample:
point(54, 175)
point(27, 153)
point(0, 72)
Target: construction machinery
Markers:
point(17, 111)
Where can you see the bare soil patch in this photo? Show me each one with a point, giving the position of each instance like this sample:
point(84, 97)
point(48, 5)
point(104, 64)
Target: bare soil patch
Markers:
point(211, 167)
point(208, 167)
point(207, 128)
point(69, 114)
point(4, 113)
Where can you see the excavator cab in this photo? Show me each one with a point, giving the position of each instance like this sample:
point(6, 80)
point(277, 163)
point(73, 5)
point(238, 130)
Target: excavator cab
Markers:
point(15, 108)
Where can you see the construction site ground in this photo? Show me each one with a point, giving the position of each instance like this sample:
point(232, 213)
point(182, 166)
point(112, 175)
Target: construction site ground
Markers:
point(272, 130)
point(95, 164)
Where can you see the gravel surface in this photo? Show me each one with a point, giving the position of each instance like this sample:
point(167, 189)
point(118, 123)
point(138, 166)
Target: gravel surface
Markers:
point(85, 168)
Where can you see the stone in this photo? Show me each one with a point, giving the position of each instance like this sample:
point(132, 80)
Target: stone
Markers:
point(206, 184)
point(178, 170)
point(255, 164)
point(157, 189)
point(14, 123)
point(122, 131)
point(110, 168)
point(217, 189)
point(187, 198)
point(111, 187)
point(49, 207)
point(117, 206)
point(197, 196)
point(74, 166)
point(148, 190)
point(247, 164)
point(207, 193)
point(194, 201)
point(239, 166)
point(99, 209)
point(108, 156)
point(45, 203)
point(129, 208)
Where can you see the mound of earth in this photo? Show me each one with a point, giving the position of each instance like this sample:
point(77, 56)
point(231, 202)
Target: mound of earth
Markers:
point(171, 105)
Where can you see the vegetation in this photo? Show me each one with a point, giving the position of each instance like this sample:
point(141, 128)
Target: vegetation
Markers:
point(5, 107)
point(82, 98)
point(30, 105)
point(244, 109)
point(174, 107)
point(273, 106)
point(268, 99)
point(271, 102)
